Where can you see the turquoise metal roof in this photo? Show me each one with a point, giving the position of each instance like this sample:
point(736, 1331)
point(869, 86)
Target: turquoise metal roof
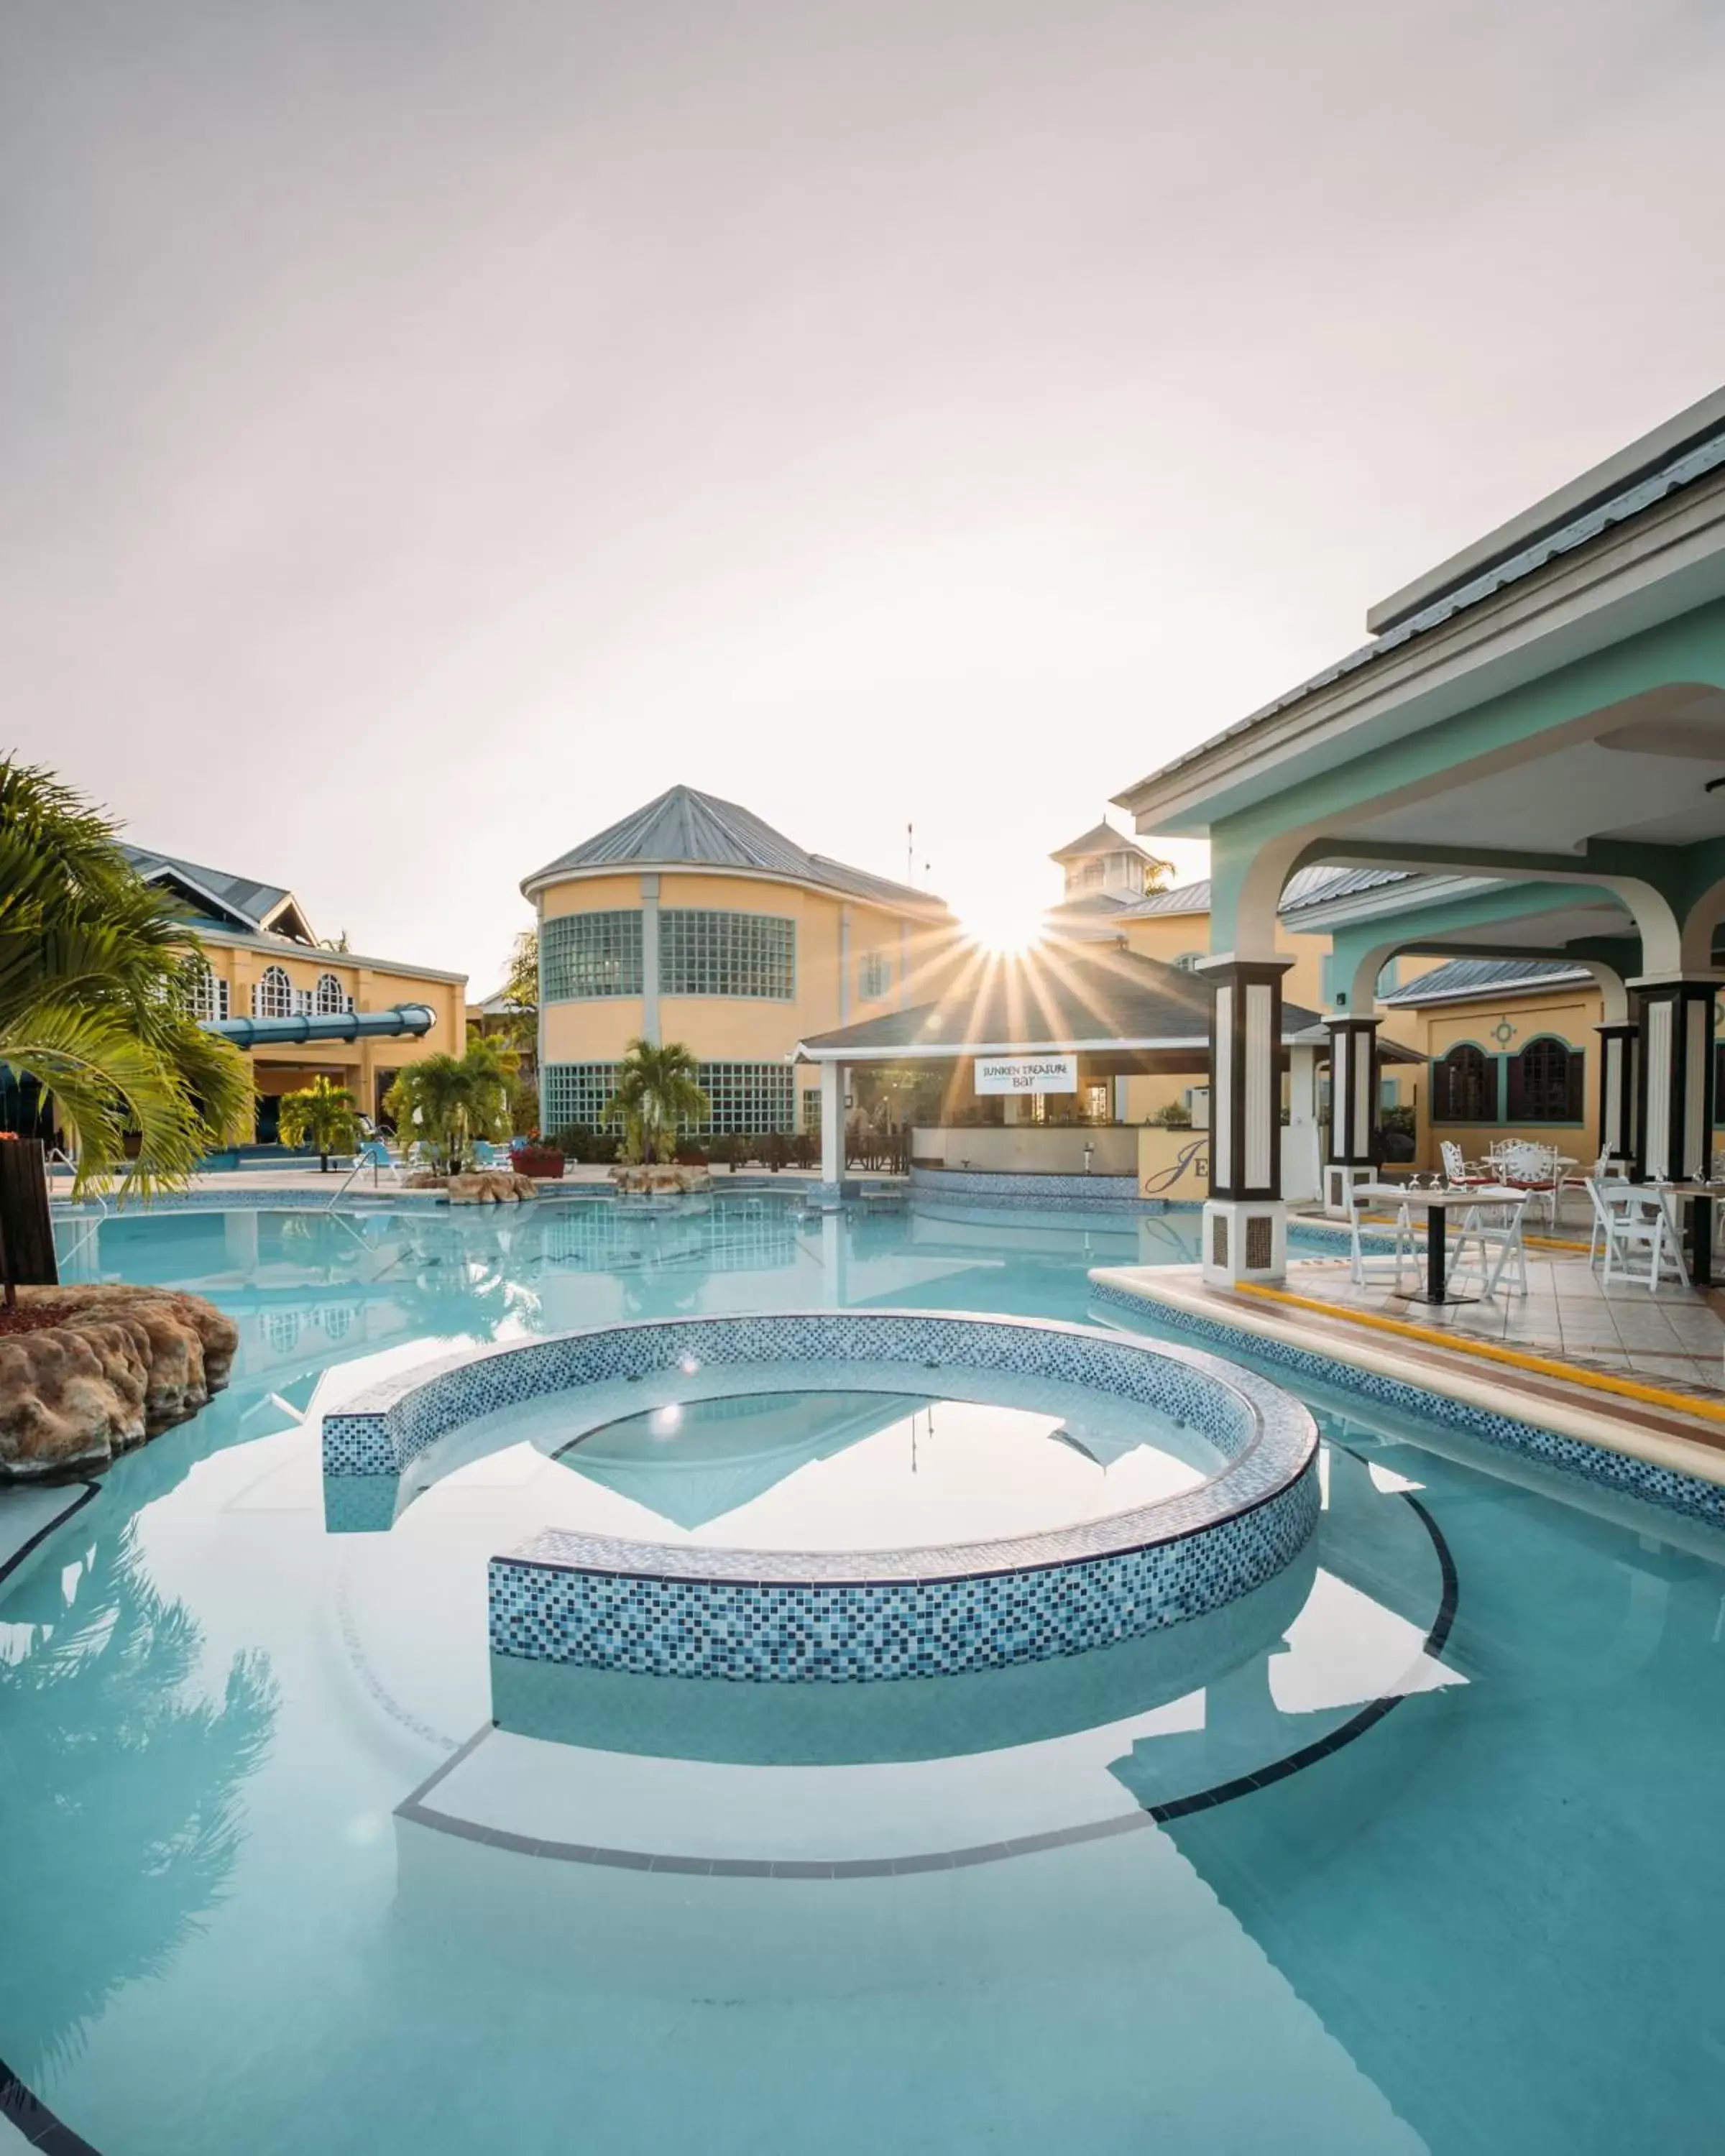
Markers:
point(238, 901)
point(682, 828)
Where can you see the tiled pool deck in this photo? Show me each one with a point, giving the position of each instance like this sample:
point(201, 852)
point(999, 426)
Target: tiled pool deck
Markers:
point(1640, 1371)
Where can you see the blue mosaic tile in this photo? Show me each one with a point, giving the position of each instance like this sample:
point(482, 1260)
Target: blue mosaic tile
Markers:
point(834, 1616)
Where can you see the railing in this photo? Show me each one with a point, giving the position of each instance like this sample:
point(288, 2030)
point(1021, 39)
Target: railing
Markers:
point(373, 1155)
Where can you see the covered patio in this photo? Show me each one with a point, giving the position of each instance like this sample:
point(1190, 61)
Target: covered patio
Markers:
point(1030, 1053)
point(1528, 760)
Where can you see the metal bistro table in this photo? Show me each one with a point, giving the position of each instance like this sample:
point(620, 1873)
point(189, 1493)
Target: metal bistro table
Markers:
point(1437, 1204)
point(1702, 1198)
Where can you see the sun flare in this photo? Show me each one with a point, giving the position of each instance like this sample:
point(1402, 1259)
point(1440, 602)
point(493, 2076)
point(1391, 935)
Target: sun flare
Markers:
point(1004, 921)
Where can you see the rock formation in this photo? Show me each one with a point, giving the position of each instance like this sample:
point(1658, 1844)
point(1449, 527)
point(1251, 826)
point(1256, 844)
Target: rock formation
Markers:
point(490, 1186)
point(661, 1179)
point(114, 1365)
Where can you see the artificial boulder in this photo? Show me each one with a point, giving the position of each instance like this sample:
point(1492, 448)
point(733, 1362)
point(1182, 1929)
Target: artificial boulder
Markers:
point(101, 1369)
point(661, 1178)
point(490, 1186)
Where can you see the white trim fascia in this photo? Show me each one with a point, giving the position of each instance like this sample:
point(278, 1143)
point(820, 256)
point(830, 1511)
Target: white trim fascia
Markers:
point(283, 946)
point(930, 909)
point(1668, 560)
point(1386, 899)
point(170, 872)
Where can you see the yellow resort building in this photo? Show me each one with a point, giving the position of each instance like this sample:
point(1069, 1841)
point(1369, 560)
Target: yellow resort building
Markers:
point(296, 1008)
point(693, 920)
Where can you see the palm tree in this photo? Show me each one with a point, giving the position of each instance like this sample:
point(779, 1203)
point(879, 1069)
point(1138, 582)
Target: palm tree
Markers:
point(657, 1089)
point(326, 1114)
point(92, 995)
point(448, 1101)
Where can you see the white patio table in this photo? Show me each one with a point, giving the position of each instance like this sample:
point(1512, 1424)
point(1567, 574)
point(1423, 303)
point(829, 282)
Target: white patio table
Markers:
point(1437, 1205)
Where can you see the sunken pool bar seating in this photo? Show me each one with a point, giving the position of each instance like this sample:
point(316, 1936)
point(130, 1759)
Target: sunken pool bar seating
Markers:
point(832, 1616)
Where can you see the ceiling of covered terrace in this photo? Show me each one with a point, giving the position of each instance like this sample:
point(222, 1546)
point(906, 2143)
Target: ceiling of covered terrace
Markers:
point(1550, 705)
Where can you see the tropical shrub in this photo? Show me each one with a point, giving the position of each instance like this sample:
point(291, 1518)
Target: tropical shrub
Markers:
point(92, 1003)
point(445, 1102)
point(323, 1115)
point(656, 1093)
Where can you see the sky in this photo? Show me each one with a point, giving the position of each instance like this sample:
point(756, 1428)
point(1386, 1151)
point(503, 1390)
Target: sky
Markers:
point(428, 431)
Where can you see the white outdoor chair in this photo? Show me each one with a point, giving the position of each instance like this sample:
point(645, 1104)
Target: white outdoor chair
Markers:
point(1636, 1225)
point(1369, 1264)
point(1490, 1246)
point(1534, 1168)
point(1605, 1170)
point(1456, 1172)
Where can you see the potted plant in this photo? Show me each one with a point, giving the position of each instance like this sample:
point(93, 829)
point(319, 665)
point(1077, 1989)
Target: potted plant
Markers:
point(533, 1155)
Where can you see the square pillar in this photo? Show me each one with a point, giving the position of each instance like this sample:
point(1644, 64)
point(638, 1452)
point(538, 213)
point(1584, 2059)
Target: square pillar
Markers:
point(1620, 1062)
point(1245, 1222)
point(832, 1124)
point(1301, 1163)
point(1353, 1109)
point(1674, 1085)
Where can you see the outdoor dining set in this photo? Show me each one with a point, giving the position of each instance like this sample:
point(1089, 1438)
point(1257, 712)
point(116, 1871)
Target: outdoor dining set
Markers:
point(1636, 1232)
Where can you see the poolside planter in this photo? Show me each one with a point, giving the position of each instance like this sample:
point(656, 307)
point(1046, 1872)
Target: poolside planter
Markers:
point(543, 1161)
point(25, 1220)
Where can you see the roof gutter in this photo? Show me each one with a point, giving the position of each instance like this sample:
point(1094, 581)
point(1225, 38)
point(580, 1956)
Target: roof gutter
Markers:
point(410, 1020)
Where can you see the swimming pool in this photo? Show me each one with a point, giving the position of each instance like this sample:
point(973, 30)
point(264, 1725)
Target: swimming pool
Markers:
point(1413, 1847)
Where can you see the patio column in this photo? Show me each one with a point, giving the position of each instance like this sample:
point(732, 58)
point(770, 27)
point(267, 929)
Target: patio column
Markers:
point(1674, 1086)
point(1619, 1059)
point(1353, 1109)
point(832, 1124)
point(1244, 1221)
point(1301, 1160)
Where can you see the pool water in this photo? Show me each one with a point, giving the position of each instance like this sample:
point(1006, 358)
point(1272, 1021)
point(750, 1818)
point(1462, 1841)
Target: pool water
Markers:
point(858, 1470)
point(1417, 1848)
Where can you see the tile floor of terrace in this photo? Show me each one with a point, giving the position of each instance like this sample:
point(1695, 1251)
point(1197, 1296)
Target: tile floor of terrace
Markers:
point(1673, 1336)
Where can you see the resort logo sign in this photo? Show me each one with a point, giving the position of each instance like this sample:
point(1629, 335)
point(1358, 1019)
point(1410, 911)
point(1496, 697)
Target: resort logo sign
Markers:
point(1027, 1074)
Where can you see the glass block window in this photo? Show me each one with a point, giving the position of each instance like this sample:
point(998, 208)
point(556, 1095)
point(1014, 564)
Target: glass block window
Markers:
point(330, 1000)
point(273, 995)
point(702, 953)
point(811, 1110)
point(582, 955)
point(874, 975)
point(749, 1099)
point(575, 1093)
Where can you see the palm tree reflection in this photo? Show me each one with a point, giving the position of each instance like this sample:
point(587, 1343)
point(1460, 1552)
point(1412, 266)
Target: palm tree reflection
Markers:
point(120, 1787)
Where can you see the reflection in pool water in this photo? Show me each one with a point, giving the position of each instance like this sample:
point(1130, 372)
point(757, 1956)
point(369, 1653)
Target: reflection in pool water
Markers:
point(859, 1471)
point(1489, 1917)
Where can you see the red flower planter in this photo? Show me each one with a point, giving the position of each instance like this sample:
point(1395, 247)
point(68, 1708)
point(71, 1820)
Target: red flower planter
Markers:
point(537, 1160)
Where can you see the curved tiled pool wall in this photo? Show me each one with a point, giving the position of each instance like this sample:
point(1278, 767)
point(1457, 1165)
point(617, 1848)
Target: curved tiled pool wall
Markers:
point(1665, 1486)
point(781, 1616)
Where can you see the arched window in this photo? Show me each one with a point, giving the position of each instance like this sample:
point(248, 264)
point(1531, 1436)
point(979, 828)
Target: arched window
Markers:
point(330, 1000)
point(1462, 1090)
point(1545, 1082)
point(274, 995)
point(203, 994)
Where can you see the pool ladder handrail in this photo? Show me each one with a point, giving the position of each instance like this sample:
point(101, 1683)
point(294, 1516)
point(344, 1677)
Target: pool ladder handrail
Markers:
point(373, 1154)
